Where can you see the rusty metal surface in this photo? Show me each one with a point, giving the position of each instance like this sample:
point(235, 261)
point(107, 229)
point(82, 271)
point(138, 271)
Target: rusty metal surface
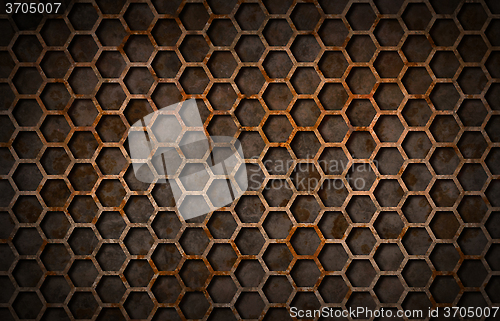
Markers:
point(400, 94)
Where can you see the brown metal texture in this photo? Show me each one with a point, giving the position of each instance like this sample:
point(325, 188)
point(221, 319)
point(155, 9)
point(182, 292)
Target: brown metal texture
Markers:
point(406, 90)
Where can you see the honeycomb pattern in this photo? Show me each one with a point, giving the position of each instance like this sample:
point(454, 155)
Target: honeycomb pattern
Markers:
point(402, 95)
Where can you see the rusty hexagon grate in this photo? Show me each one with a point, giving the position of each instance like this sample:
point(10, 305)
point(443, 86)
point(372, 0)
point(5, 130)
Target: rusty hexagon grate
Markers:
point(399, 95)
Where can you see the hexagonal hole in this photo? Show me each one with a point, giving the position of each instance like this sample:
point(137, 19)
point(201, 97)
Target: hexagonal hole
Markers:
point(388, 32)
point(27, 177)
point(472, 80)
point(27, 80)
point(83, 241)
point(166, 289)
point(333, 96)
point(250, 112)
point(166, 32)
point(472, 273)
point(138, 273)
point(444, 192)
point(110, 128)
point(416, 48)
point(361, 16)
point(389, 289)
point(444, 289)
point(83, 80)
point(360, 144)
point(277, 257)
point(55, 289)
point(138, 16)
point(222, 289)
point(361, 273)
point(110, 257)
point(277, 32)
point(361, 176)
point(249, 48)
point(361, 112)
point(361, 80)
point(249, 241)
point(333, 289)
point(249, 305)
point(55, 225)
point(472, 241)
point(54, 32)
point(416, 80)
point(305, 241)
point(83, 16)
point(55, 257)
point(305, 208)
point(27, 305)
point(110, 289)
point(166, 64)
point(417, 16)
point(110, 225)
point(417, 145)
point(389, 225)
point(277, 225)
point(277, 128)
point(472, 16)
point(277, 289)
point(416, 177)
point(388, 128)
point(389, 161)
point(305, 177)
point(333, 64)
point(416, 241)
point(27, 273)
point(138, 48)
point(55, 193)
point(110, 32)
point(472, 177)
point(27, 241)
point(417, 112)
point(472, 145)
point(221, 225)
point(55, 64)
point(361, 48)
point(249, 273)
point(417, 273)
point(82, 48)
point(492, 159)
point(388, 257)
point(330, 38)
point(110, 64)
point(138, 305)
point(444, 225)
point(277, 64)
point(305, 48)
point(360, 241)
point(305, 145)
point(277, 96)
point(444, 64)
point(222, 257)
point(166, 257)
